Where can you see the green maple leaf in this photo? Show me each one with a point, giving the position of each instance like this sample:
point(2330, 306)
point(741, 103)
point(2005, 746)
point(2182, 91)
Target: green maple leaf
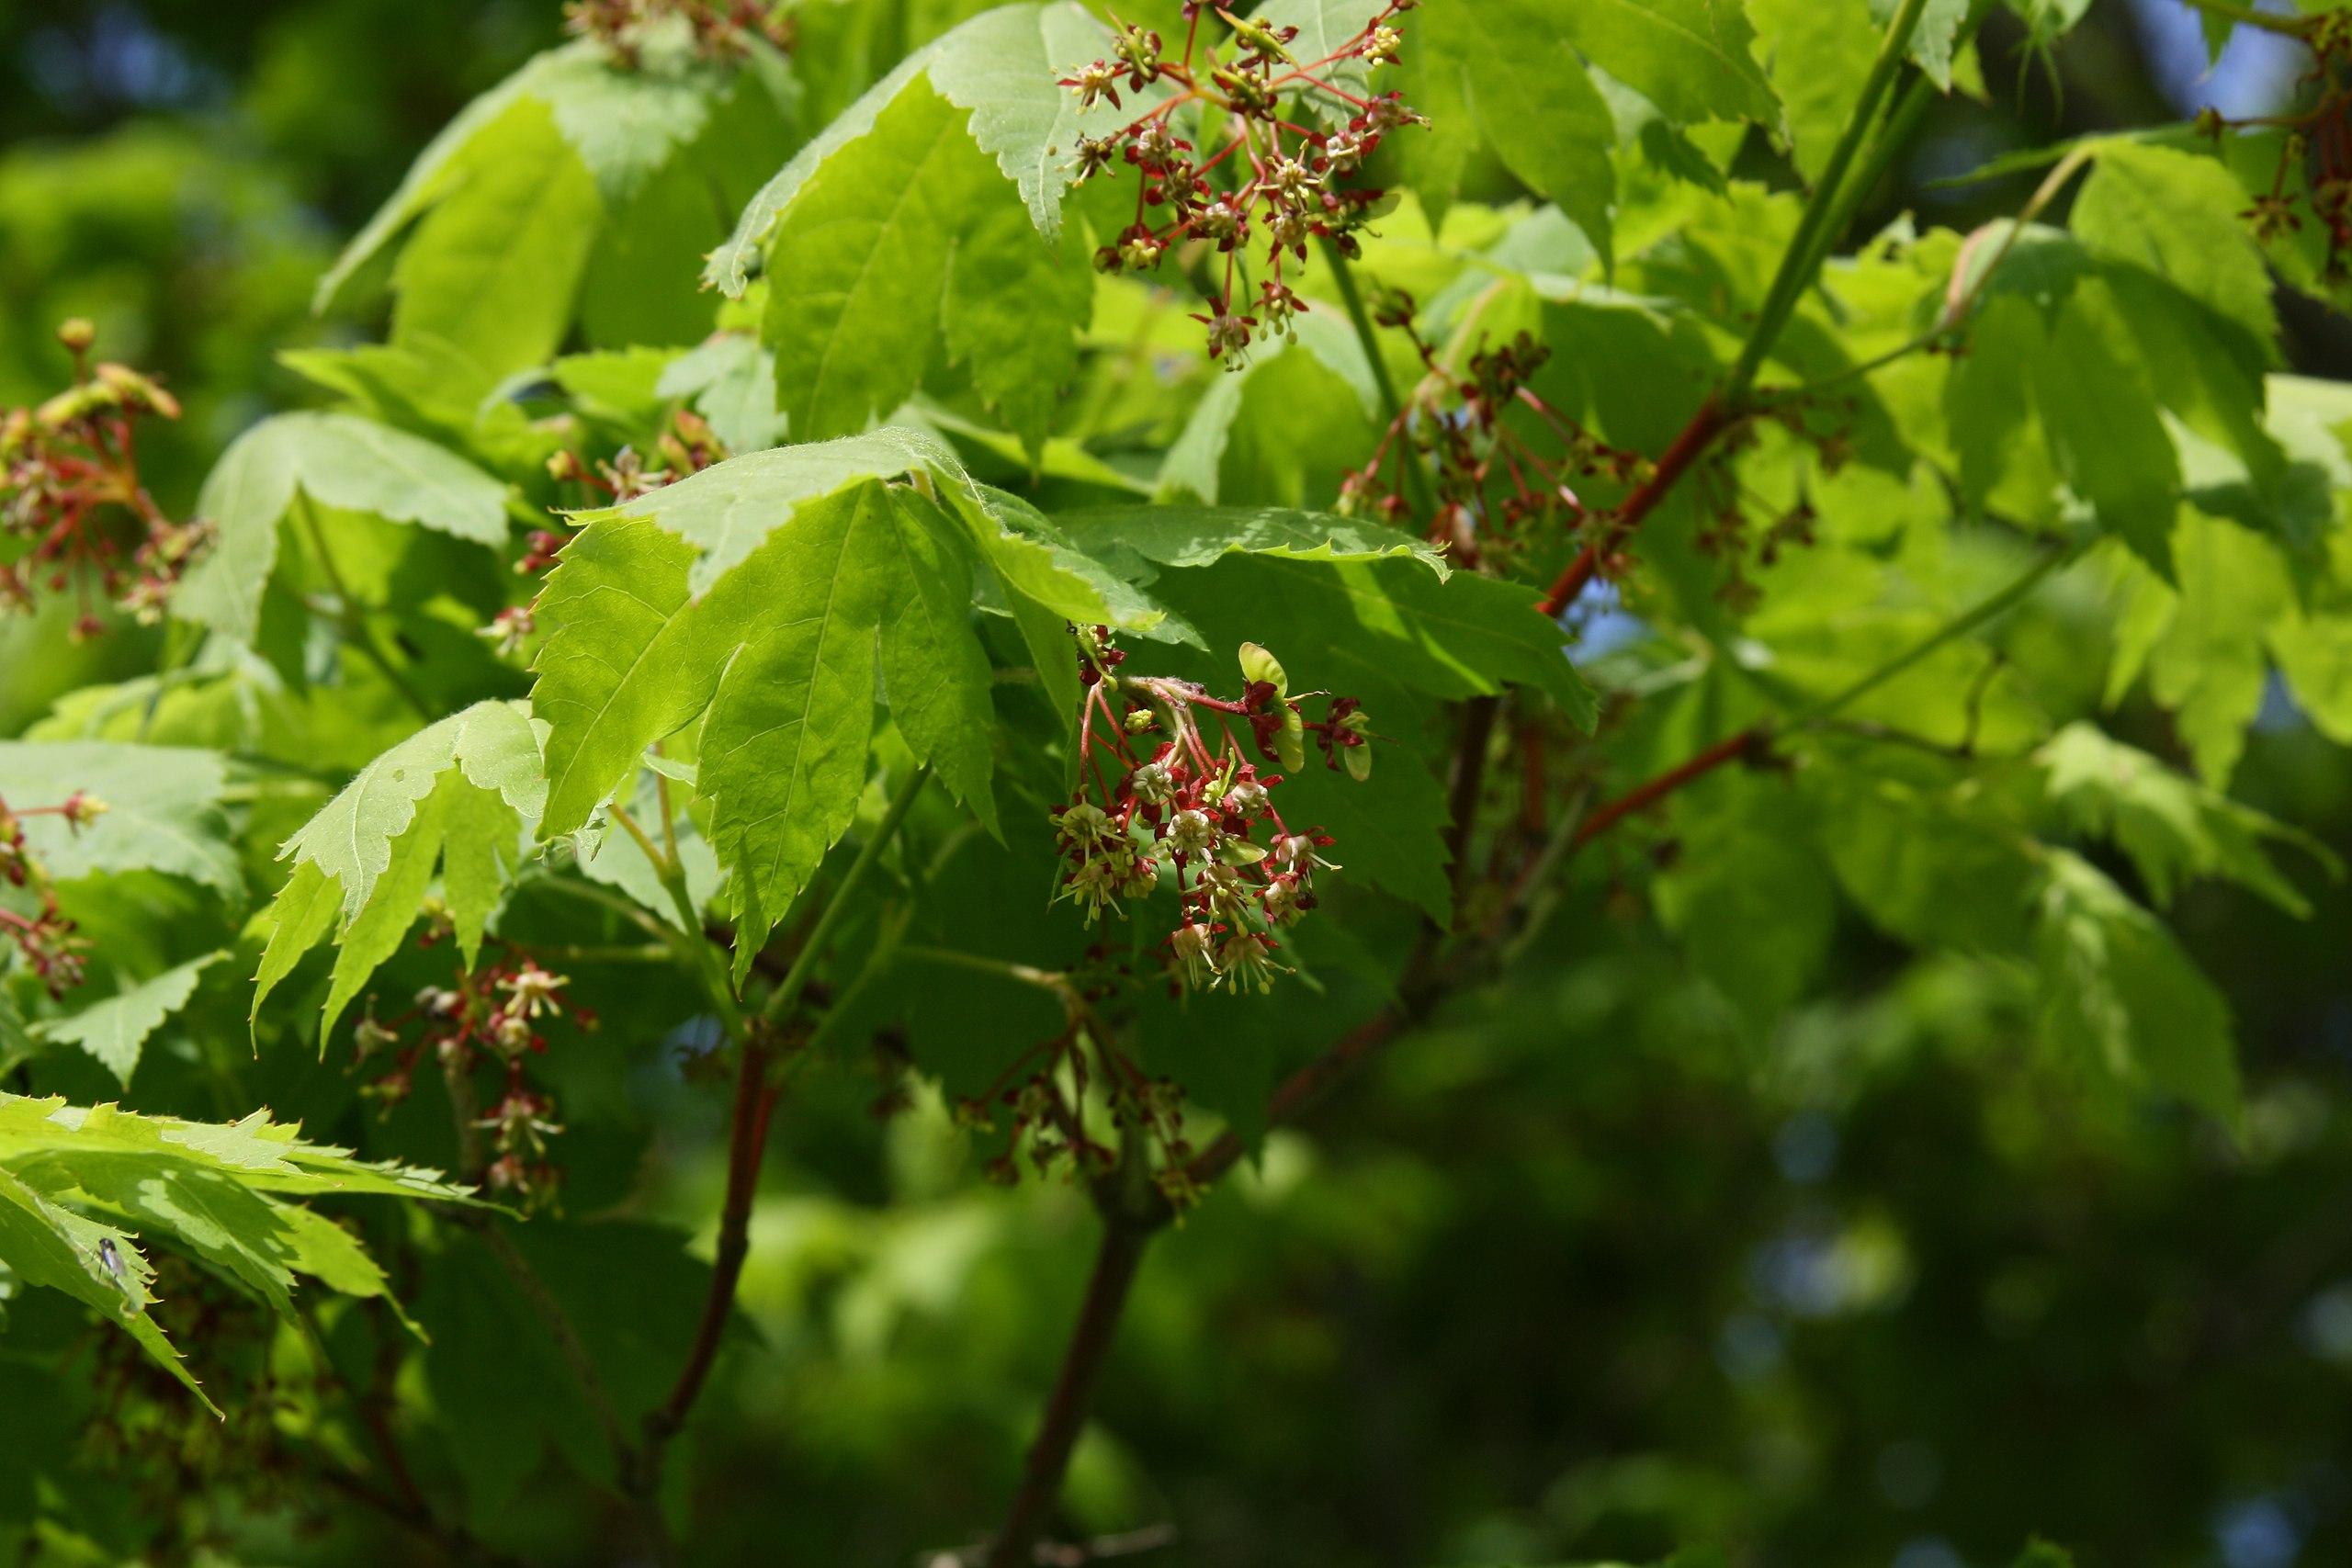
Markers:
point(2120, 1000)
point(116, 1030)
point(79, 1184)
point(335, 459)
point(570, 184)
point(2173, 827)
point(1002, 69)
point(888, 230)
point(458, 794)
point(162, 810)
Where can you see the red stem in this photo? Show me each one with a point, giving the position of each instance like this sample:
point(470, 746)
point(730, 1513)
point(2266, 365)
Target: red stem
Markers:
point(1746, 743)
point(755, 1100)
point(1098, 1322)
point(1422, 989)
point(1705, 424)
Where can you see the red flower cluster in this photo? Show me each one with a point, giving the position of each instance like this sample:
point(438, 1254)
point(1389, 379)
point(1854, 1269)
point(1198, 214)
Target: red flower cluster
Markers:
point(1275, 180)
point(492, 1014)
point(1041, 1090)
point(45, 939)
point(2314, 173)
point(630, 29)
point(70, 489)
point(1500, 458)
point(686, 445)
point(1189, 812)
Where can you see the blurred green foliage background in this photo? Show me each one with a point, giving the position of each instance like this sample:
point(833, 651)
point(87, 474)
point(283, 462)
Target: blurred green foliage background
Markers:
point(1591, 1273)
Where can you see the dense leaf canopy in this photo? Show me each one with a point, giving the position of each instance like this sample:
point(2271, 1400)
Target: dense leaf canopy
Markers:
point(835, 608)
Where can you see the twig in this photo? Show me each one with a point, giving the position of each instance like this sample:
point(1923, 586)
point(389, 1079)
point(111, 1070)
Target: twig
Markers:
point(754, 1105)
point(1468, 784)
point(1748, 742)
point(753, 1108)
point(1707, 422)
point(1122, 1249)
point(617, 952)
point(604, 897)
point(1003, 969)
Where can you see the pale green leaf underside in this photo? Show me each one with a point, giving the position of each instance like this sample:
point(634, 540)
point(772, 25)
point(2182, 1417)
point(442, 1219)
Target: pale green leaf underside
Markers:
point(458, 794)
point(350, 839)
point(162, 809)
point(727, 511)
point(2119, 998)
point(116, 1030)
point(1180, 535)
point(340, 460)
point(2173, 827)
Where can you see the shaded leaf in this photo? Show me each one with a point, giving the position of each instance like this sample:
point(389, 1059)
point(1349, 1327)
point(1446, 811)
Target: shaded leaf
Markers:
point(116, 1030)
point(2173, 827)
point(162, 809)
point(339, 460)
point(2118, 998)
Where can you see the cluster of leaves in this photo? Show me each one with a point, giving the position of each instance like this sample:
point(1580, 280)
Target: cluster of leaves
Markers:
point(874, 536)
point(77, 1183)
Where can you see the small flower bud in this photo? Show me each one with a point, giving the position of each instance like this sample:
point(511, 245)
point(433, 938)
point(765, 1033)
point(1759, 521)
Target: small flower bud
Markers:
point(1141, 251)
point(1142, 878)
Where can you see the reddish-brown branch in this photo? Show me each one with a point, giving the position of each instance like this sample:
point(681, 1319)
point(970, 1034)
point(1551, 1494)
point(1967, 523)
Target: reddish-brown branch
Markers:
point(1299, 1093)
point(747, 1141)
point(1468, 784)
point(1747, 742)
point(1423, 987)
point(1534, 789)
point(1706, 423)
point(1124, 1240)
